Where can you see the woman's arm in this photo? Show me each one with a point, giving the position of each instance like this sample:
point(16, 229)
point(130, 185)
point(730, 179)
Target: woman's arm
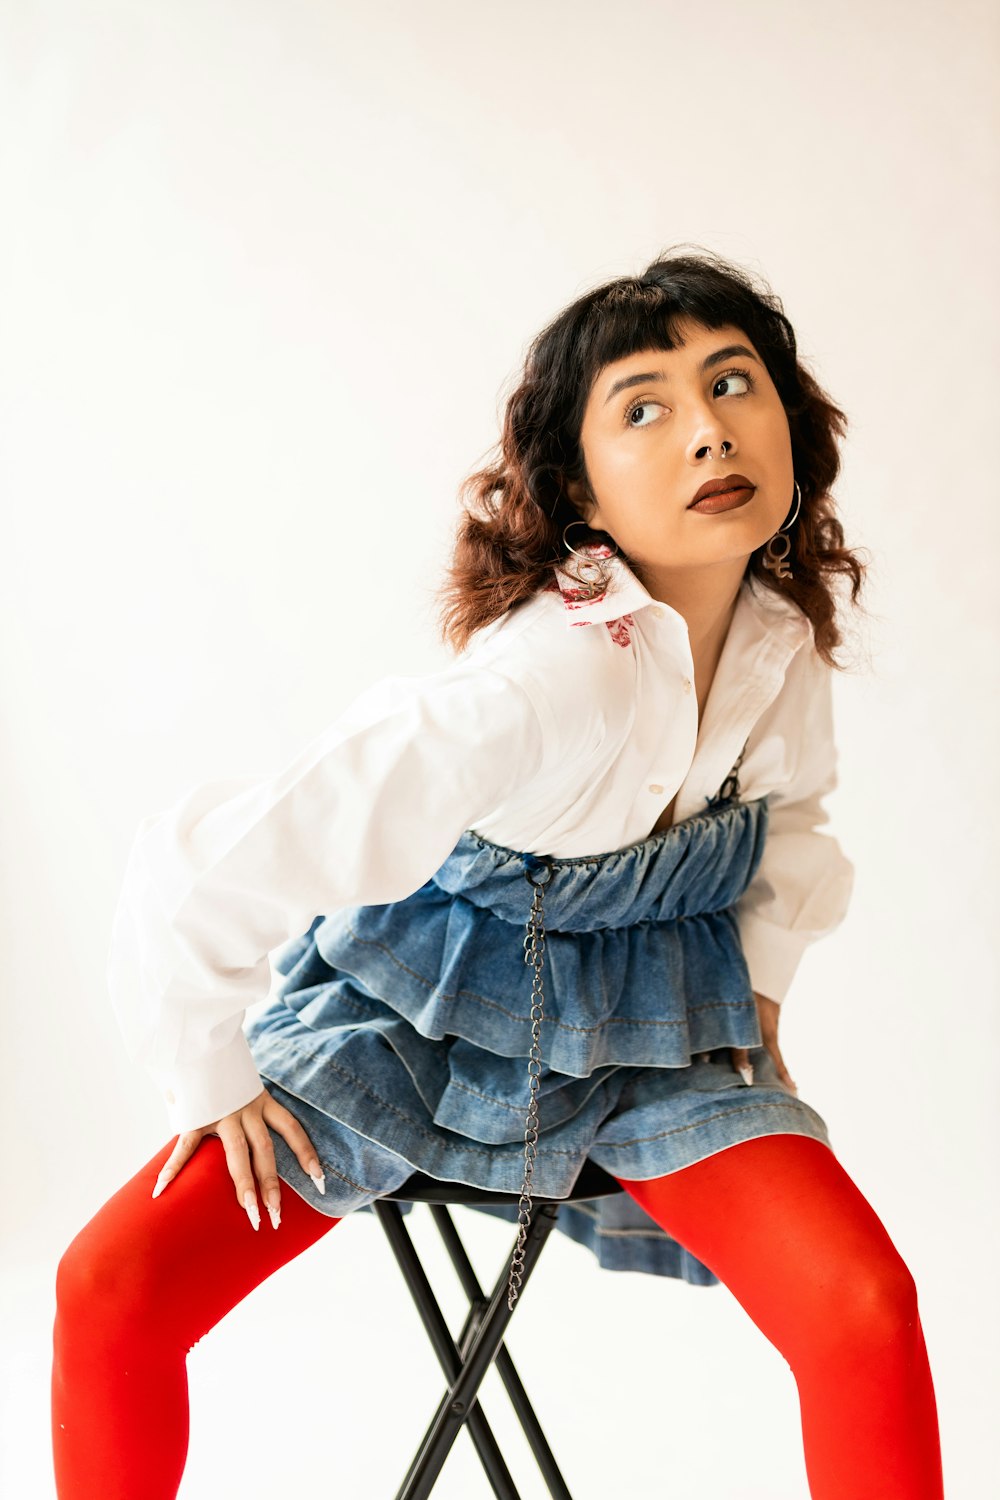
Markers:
point(364, 814)
point(802, 888)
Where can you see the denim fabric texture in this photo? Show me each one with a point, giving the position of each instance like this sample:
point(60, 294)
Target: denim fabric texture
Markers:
point(400, 1033)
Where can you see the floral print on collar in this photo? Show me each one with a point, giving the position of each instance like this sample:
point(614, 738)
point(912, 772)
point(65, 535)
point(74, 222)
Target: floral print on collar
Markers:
point(577, 598)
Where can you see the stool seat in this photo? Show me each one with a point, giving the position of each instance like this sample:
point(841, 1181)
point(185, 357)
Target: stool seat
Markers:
point(592, 1182)
point(480, 1343)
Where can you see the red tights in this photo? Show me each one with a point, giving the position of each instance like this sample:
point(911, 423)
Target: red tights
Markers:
point(776, 1218)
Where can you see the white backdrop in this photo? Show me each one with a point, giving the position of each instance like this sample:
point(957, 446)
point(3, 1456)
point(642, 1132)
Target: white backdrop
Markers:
point(268, 270)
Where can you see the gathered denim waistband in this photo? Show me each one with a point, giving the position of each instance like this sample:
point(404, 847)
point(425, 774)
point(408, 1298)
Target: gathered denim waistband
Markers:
point(700, 865)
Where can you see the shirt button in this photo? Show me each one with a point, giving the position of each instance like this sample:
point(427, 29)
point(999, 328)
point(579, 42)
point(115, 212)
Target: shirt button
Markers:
point(657, 611)
point(687, 684)
point(169, 1096)
point(655, 787)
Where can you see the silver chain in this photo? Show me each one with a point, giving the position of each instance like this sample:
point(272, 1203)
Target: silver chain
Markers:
point(730, 787)
point(534, 950)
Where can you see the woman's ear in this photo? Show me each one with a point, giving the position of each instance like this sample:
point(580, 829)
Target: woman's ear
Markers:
point(578, 494)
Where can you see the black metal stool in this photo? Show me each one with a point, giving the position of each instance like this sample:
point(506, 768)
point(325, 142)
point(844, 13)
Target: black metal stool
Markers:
point(480, 1343)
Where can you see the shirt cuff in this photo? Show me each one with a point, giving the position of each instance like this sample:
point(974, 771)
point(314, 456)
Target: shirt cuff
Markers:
point(772, 954)
point(199, 1093)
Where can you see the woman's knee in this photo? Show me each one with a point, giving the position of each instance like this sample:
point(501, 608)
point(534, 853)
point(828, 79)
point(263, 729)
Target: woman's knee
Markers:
point(101, 1280)
point(873, 1301)
point(853, 1306)
point(120, 1264)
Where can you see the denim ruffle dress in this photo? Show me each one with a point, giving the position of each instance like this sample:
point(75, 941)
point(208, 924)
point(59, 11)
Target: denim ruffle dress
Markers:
point(400, 1033)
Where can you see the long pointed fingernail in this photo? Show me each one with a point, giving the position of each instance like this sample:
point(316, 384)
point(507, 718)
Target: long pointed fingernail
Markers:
point(274, 1208)
point(161, 1183)
point(250, 1204)
point(318, 1178)
point(745, 1071)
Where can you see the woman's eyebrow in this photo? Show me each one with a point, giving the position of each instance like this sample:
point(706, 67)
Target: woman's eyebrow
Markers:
point(706, 364)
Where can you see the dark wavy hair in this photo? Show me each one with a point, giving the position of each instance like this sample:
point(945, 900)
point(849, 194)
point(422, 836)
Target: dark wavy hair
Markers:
point(509, 539)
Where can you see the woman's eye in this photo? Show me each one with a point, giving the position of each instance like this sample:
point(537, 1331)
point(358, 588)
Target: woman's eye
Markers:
point(731, 375)
point(640, 406)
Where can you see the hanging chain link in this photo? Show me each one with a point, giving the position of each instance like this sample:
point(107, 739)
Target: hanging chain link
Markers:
point(730, 787)
point(534, 950)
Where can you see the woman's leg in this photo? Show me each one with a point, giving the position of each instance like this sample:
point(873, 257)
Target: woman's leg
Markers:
point(781, 1223)
point(136, 1289)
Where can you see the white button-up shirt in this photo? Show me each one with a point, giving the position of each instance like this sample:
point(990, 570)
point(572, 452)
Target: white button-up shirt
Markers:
point(563, 728)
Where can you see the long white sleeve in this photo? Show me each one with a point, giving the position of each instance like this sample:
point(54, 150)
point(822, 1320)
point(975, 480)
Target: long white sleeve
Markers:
point(364, 814)
point(803, 885)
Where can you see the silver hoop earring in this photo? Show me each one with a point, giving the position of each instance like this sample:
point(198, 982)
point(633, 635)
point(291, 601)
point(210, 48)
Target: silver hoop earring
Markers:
point(589, 573)
point(779, 546)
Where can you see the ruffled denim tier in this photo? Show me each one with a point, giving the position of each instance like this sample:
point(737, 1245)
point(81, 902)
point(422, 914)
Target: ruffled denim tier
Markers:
point(400, 1033)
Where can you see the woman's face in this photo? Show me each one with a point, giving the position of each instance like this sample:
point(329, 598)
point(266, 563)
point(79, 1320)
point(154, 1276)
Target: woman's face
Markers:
point(650, 446)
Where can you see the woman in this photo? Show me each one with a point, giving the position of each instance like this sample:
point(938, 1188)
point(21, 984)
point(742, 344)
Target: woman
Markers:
point(622, 770)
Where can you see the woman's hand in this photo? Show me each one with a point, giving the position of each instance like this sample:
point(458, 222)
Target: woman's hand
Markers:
point(244, 1133)
point(767, 1014)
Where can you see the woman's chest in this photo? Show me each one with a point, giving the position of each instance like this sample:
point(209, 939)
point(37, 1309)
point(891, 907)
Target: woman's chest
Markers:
point(667, 737)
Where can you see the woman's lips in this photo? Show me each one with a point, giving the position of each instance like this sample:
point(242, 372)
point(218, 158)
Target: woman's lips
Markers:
point(724, 500)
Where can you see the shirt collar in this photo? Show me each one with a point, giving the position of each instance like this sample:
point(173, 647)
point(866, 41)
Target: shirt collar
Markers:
point(625, 595)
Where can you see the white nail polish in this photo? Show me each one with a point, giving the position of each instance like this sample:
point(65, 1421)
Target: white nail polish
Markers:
point(319, 1179)
point(253, 1212)
point(275, 1216)
point(746, 1073)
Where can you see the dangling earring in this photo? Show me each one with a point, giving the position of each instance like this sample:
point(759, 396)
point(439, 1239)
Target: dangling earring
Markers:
point(594, 578)
point(779, 546)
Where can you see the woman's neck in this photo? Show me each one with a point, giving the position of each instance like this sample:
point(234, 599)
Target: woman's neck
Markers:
point(706, 598)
